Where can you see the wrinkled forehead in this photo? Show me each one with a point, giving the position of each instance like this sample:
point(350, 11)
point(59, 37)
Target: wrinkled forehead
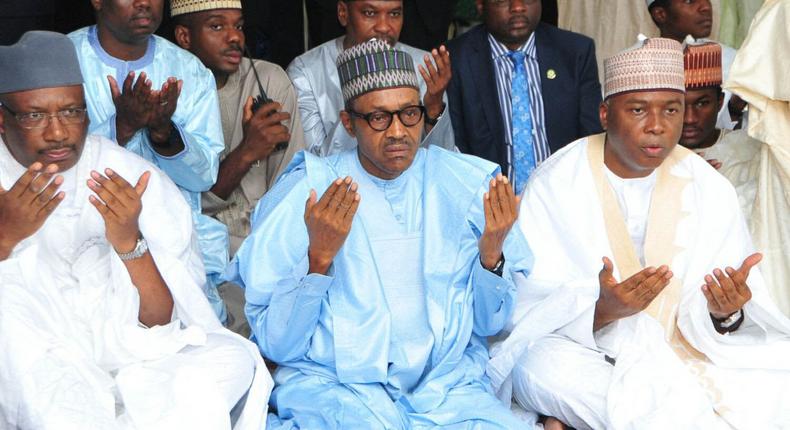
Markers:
point(388, 99)
point(45, 98)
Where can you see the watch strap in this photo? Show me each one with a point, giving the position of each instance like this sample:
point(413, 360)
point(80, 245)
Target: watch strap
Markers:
point(140, 248)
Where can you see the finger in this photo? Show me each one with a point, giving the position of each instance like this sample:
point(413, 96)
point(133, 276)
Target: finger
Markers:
point(329, 194)
point(277, 118)
point(139, 84)
point(606, 275)
point(107, 197)
point(127, 83)
point(104, 211)
point(122, 185)
point(108, 186)
point(727, 286)
point(349, 217)
point(24, 181)
point(247, 111)
point(337, 199)
point(637, 278)
point(750, 262)
point(492, 197)
point(741, 287)
point(652, 286)
point(348, 199)
point(444, 57)
point(430, 66)
point(53, 203)
point(49, 191)
point(720, 302)
point(511, 198)
point(438, 60)
point(504, 197)
point(309, 203)
point(38, 184)
point(114, 90)
point(142, 183)
point(489, 213)
point(425, 76)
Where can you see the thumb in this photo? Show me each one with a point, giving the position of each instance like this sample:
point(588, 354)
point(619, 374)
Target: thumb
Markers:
point(113, 87)
point(606, 275)
point(310, 201)
point(750, 262)
point(142, 183)
point(247, 111)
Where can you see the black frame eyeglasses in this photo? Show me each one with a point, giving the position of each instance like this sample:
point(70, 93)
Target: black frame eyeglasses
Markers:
point(381, 120)
point(39, 120)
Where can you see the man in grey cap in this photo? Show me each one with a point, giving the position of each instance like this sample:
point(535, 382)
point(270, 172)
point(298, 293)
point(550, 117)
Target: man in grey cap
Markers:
point(102, 319)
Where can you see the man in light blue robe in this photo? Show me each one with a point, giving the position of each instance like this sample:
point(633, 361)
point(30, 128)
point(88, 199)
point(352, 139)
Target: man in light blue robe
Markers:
point(318, 87)
point(176, 127)
point(376, 299)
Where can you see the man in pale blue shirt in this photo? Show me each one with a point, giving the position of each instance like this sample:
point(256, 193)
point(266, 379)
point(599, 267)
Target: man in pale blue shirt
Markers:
point(160, 102)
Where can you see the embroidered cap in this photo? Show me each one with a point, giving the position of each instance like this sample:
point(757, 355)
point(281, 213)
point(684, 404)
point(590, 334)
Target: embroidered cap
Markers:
point(374, 65)
point(652, 64)
point(40, 59)
point(181, 7)
point(702, 63)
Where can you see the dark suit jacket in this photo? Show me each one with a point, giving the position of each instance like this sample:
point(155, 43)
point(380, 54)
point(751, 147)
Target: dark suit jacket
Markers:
point(570, 100)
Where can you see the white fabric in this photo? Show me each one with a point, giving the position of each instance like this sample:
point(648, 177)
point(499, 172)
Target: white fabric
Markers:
point(633, 197)
point(759, 76)
point(650, 387)
point(72, 351)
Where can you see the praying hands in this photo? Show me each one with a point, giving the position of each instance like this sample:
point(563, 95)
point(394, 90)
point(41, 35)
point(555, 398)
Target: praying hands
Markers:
point(500, 205)
point(138, 106)
point(29, 202)
point(726, 290)
point(329, 222)
point(120, 205)
point(437, 78)
point(621, 300)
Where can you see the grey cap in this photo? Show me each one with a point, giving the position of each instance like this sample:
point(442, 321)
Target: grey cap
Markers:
point(40, 59)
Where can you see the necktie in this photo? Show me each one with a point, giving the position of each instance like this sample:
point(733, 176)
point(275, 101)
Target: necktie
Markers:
point(523, 151)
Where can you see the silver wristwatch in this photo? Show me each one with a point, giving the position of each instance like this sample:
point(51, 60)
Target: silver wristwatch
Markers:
point(139, 250)
point(731, 320)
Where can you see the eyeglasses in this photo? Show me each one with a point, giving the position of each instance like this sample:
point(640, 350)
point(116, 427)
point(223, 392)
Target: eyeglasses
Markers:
point(34, 120)
point(381, 120)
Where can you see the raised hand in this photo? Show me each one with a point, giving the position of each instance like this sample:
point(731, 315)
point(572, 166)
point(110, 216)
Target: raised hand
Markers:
point(263, 130)
point(437, 78)
point(329, 221)
point(727, 292)
point(29, 202)
point(500, 205)
point(133, 105)
point(620, 300)
point(120, 205)
point(163, 105)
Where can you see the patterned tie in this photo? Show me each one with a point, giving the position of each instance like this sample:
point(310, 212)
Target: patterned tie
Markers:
point(523, 151)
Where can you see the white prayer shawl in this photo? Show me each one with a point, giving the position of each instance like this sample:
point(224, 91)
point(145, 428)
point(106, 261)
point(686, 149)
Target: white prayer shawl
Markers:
point(68, 287)
point(563, 219)
point(759, 76)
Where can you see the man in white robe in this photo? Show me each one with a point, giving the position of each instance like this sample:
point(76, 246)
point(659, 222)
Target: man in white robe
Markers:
point(315, 77)
point(103, 324)
point(675, 329)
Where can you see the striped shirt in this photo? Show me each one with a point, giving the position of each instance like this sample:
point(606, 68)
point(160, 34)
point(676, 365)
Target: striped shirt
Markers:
point(503, 68)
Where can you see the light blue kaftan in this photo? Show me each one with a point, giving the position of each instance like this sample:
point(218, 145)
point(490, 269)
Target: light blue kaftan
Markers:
point(394, 336)
point(196, 118)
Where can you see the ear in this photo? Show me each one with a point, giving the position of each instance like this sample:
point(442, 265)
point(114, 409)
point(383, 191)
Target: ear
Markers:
point(659, 15)
point(603, 112)
point(182, 37)
point(346, 118)
point(342, 13)
point(479, 6)
point(720, 96)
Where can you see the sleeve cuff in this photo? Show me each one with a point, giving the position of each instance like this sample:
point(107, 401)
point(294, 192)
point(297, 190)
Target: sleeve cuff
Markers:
point(497, 286)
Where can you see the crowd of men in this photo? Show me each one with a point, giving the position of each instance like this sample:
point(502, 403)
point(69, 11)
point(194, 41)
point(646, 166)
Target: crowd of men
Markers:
point(480, 236)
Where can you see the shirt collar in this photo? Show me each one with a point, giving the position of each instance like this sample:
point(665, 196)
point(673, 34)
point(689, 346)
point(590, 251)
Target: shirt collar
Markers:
point(498, 50)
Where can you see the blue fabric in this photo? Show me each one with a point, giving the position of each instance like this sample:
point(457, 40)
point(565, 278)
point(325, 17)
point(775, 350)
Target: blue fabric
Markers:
point(523, 150)
point(196, 119)
point(334, 334)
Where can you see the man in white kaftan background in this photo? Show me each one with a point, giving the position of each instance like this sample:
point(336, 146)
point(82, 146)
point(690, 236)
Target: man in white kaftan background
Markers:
point(160, 102)
point(675, 328)
point(376, 298)
point(314, 75)
point(103, 324)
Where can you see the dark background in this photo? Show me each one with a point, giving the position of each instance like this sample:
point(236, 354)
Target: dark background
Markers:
point(274, 28)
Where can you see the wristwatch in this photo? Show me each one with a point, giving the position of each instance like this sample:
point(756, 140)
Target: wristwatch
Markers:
point(433, 121)
point(139, 250)
point(498, 267)
point(729, 324)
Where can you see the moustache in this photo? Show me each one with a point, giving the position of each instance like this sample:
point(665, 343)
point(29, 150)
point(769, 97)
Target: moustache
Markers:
point(56, 148)
point(233, 49)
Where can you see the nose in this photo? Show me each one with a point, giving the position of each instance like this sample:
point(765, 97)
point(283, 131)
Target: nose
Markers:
point(235, 36)
point(654, 123)
point(705, 6)
point(55, 131)
point(518, 5)
point(383, 24)
point(142, 4)
point(396, 130)
point(690, 116)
